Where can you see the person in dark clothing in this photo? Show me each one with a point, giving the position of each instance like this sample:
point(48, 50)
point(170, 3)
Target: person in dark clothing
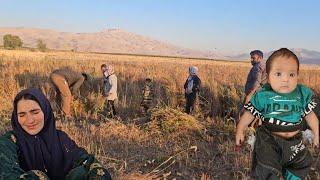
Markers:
point(67, 83)
point(192, 88)
point(35, 149)
point(147, 96)
point(256, 78)
point(257, 75)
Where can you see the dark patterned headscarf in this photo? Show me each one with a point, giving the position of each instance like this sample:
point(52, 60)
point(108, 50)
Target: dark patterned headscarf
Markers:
point(50, 151)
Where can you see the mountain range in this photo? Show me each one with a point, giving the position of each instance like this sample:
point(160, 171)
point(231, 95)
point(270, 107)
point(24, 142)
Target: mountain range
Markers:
point(120, 41)
point(305, 56)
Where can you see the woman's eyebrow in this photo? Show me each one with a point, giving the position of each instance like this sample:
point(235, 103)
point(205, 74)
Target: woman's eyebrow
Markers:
point(33, 110)
point(21, 112)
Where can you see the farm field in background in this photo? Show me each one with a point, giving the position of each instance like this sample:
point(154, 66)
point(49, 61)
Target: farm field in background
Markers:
point(167, 144)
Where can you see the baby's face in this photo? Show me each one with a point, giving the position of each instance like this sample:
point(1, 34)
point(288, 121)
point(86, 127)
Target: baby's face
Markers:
point(283, 75)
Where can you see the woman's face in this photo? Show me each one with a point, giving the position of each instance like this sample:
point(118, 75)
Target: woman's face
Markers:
point(30, 116)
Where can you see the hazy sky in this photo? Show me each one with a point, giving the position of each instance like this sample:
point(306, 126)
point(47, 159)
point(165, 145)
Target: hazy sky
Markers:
point(228, 26)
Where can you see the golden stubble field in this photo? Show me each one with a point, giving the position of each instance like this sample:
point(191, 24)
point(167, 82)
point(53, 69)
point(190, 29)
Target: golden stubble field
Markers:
point(167, 144)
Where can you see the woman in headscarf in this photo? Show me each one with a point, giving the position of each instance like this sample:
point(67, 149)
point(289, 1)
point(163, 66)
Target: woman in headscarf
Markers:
point(35, 149)
point(110, 89)
point(192, 88)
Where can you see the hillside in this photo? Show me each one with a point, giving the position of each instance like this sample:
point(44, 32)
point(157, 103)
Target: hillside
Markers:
point(120, 41)
point(106, 41)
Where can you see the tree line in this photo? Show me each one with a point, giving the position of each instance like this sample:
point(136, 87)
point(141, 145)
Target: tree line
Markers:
point(14, 42)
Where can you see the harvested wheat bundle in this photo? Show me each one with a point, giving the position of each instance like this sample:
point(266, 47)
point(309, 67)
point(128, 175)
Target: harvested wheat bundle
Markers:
point(166, 120)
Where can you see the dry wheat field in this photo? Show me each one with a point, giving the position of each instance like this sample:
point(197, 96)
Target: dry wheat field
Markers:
point(167, 144)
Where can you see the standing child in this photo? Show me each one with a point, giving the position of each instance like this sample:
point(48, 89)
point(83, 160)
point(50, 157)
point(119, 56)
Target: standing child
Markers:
point(147, 93)
point(192, 89)
point(281, 104)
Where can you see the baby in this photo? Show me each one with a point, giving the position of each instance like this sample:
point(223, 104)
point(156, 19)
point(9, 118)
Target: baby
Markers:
point(284, 106)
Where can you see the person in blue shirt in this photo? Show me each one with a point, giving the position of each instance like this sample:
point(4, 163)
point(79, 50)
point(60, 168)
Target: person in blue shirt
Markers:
point(282, 104)
point(256, 78)
point(257, 75)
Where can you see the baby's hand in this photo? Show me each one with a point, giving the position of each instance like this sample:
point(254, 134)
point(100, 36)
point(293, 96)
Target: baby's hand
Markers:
point(239, 138)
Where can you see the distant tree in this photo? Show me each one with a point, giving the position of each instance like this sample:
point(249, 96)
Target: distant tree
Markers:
point(11, 42)
point(41, 46)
